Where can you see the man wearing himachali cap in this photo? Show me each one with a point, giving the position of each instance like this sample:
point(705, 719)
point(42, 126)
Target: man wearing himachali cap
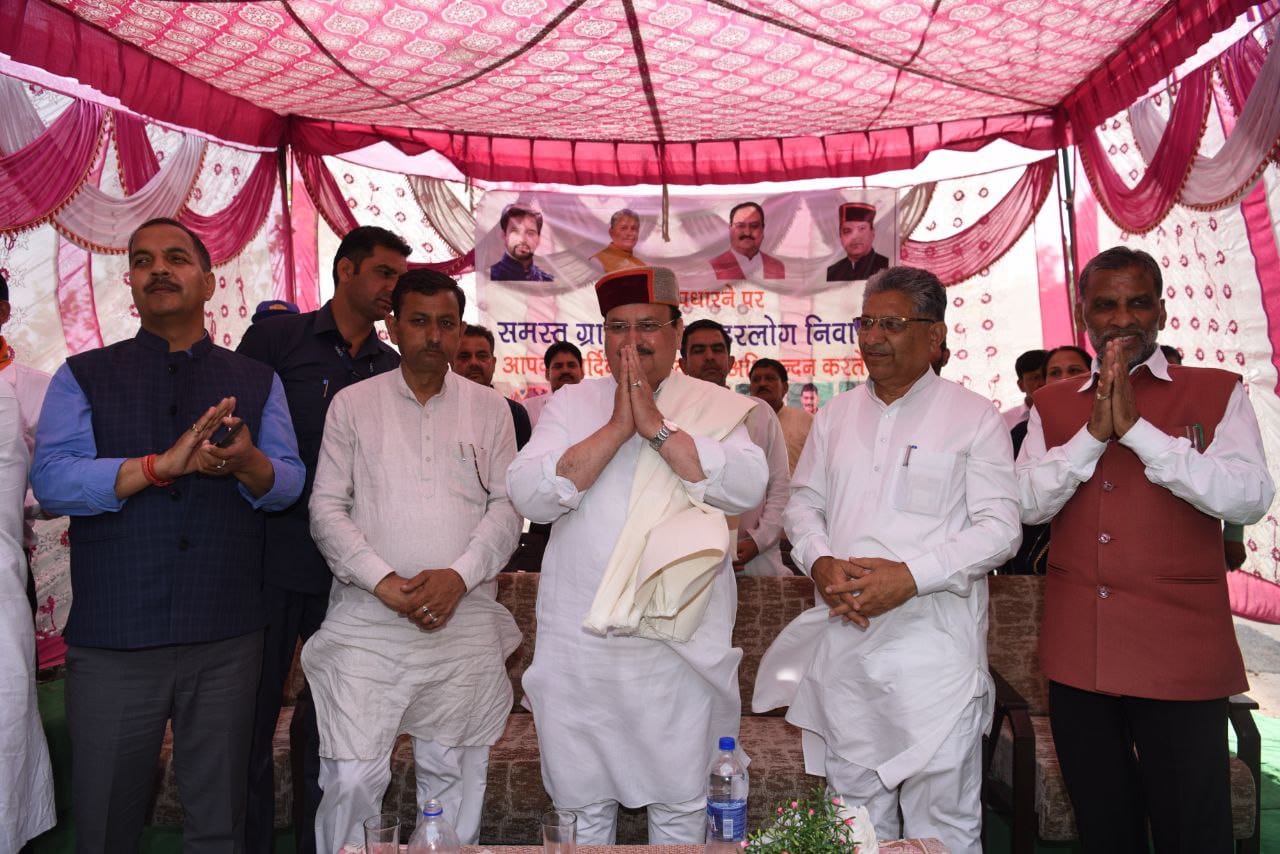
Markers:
point(634, 678)
point(857, 232)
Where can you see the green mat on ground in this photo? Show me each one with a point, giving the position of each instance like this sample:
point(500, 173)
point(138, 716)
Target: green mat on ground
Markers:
point(1269, 729)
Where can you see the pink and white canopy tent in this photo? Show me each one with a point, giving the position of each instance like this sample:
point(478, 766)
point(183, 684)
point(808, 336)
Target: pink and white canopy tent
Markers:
point(623, 92)
point(673, 92)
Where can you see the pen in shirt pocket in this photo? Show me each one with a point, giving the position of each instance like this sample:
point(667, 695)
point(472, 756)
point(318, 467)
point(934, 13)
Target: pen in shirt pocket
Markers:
point(324, 392)
point(906, 457)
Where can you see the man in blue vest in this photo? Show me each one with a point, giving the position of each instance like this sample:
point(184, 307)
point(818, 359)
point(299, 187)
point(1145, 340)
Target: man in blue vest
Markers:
point(164, 449)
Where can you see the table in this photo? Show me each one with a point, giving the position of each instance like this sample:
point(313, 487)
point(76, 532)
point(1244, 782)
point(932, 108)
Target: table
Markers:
point(900, 846)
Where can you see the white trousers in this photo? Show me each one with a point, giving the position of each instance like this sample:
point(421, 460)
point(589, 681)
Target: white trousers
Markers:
point(354, 788)
point(669, 824)
point(943, 801)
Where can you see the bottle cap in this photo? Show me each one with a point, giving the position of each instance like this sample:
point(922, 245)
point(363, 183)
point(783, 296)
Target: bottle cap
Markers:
point(432, 808)
point(727, 742)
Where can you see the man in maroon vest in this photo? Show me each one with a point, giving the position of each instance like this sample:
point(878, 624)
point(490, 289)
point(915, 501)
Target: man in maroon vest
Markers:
point(1136, 466)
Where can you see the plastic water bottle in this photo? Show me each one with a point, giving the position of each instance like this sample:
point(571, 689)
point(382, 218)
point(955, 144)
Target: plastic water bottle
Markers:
point(434, 835)
point(726, 800)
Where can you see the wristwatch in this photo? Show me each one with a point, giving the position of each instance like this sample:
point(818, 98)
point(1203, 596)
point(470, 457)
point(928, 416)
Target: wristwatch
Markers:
point(663, 434)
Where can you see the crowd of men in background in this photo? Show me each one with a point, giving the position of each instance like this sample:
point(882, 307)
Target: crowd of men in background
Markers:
point(322, 487)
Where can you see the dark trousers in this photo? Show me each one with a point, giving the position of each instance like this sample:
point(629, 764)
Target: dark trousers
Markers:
point(1127, 760)
point(117, 704)
point(291, 616)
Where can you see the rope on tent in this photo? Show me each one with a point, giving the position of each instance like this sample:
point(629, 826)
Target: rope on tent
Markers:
point(642, 65)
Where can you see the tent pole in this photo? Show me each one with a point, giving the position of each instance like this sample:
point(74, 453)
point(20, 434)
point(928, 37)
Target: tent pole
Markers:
point(290, 275)
point(1066, 201)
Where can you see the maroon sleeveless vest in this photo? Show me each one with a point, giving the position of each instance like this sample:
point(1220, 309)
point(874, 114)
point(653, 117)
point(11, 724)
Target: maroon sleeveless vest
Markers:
point(1136, 592)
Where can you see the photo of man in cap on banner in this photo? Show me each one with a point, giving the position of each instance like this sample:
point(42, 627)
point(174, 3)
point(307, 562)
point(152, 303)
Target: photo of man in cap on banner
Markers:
point(857, 233)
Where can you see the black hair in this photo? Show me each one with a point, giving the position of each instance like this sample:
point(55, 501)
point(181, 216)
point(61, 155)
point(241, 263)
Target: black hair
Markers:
point(1031, 362)
point(734, 210)
point(359, 243)
point(518, 212)
point(202, 252)
point(772, 364)
point(1122, 258)
point(556, 349)
point(428, 283)
point(698, 326)
point(473, 331)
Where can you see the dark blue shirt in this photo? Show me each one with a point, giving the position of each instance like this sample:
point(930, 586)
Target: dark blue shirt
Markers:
point(312, 360)
point(511, 270)
point(178, 564)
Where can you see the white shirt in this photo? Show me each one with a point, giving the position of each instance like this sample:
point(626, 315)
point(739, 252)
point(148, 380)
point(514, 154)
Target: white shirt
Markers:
point(623, 718)
point(26, 782)
point(534, 406)
point(753, 267)
point(30, 385)
point(401, 487)
point(1229, 480)
point(1014, 417)
point(763, 524)
point(796, 424)
point(926, 480)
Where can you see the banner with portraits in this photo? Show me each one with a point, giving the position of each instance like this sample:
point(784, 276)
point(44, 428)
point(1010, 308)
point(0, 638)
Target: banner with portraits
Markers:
point(783, 273)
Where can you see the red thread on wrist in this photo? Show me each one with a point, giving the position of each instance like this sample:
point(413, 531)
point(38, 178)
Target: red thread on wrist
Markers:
point(149, 471)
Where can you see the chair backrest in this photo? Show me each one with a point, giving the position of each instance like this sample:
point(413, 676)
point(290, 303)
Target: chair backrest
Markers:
point(1013, 635)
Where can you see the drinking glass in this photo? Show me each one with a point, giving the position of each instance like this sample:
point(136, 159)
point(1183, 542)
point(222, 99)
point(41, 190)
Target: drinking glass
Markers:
point(382, 834)
point(559, 832)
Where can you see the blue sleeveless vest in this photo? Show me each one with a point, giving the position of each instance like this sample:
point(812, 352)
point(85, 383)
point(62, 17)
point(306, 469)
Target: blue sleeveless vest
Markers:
point(179, 564)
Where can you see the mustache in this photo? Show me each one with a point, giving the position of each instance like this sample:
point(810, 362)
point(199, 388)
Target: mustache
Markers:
point(159, 282)
point(643, 350)
point(1112, 334)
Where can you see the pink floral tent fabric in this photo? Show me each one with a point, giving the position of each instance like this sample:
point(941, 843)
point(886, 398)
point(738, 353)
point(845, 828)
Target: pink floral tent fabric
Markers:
point(623, 91)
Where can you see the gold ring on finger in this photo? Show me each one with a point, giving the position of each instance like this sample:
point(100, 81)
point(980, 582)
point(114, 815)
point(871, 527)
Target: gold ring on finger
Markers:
point(196, 428)
point(1103, 396)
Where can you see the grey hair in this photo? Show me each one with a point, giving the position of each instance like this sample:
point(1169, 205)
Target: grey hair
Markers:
point(625, 212)
point(1121, 258)
point(923, 287)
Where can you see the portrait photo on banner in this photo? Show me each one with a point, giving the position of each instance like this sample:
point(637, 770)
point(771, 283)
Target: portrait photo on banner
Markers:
point(783, 273)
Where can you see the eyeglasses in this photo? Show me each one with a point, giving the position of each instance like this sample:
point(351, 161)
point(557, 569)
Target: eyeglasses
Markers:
point(463, 448)
point(644, 327)
point(890, 325)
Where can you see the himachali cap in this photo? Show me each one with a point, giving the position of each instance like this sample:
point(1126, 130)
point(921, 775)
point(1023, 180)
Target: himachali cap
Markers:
point(858, 212)
point(637, 285)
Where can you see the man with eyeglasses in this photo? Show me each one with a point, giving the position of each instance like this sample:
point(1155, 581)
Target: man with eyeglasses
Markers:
point(634, 676)
point(414, 640)
point(903, 499)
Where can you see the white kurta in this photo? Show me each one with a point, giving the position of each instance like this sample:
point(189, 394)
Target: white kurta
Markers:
point(885, 698)
point(1229, 479)
point(400, 487)
point(26, 782)
point(763, 524)
point(796, 424)
point(534, 406)
point(623, 718)
point(29, 385)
